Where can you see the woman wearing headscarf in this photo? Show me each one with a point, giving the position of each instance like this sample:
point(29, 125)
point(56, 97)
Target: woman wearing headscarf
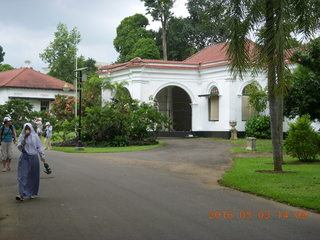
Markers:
point(28, 167)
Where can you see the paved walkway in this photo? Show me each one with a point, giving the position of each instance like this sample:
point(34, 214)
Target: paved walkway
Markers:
point(202, 160)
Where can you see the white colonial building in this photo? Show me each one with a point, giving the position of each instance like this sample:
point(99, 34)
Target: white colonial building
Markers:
point(38, 88)
point(199, 94)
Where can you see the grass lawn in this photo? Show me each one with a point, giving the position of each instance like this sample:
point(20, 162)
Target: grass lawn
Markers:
point(299, 186)
point(107, 149)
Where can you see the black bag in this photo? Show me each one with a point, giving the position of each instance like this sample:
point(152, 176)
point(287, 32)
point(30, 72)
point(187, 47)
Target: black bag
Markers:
point(45, 133)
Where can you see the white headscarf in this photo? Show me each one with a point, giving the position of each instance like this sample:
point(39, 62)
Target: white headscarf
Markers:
point(33, 144)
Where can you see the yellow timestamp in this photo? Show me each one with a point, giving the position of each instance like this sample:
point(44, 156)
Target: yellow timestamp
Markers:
point(262, 214)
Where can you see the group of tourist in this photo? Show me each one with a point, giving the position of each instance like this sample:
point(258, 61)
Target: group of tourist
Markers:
point(29, 144)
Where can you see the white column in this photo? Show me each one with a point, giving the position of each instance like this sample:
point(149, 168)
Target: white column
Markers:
point(169, 102)
point(195, 117)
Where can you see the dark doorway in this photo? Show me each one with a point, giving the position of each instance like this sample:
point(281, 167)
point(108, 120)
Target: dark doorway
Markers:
point(176, 103)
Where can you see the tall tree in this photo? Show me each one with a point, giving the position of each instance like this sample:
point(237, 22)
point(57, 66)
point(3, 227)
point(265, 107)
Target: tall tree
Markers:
point(160, 11)
point(277, 16)
point(180, 45)
point(145, 48)
point(2, 53)
point(304, 83)
point(129, 31)
point(208, 21)
point(90, 63)
point(61, 53)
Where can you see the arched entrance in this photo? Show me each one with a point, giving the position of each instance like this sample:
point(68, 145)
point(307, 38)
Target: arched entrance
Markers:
point(176, 103)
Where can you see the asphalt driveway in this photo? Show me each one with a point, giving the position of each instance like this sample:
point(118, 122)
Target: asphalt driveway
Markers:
point(162, 193)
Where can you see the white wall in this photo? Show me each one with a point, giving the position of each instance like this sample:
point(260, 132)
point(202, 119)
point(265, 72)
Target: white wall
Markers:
point(32, 95)
point(146, 82)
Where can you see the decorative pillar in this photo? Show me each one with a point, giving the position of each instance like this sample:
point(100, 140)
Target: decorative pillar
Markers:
point(251, 144)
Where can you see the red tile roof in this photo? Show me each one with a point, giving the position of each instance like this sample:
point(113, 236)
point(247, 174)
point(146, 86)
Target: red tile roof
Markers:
point(29, 78)
point(214, 53)
point(213, 56)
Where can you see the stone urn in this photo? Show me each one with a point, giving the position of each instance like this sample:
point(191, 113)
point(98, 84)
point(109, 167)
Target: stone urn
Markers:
point(233, 130)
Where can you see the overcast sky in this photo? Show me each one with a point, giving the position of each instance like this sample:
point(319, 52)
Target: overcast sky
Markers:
point(27, 26)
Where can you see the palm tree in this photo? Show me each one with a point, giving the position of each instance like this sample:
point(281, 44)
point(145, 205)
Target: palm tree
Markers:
point(277, 19)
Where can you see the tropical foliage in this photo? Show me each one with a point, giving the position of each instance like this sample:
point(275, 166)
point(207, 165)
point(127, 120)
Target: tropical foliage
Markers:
point(208, 21)
point(61, 53)
point(302, 142)
point(122, 120)
point(2, 53)
point(89, 63)
point(145, 48)
point(63, 107)
point(180, 45)
point(92, 92)
point(279, 19)
point(5, 67)
point(258, 97)
point(19, 110)
point(160, 10)
point(304, 83)
point(129, 32)
point(258, 127)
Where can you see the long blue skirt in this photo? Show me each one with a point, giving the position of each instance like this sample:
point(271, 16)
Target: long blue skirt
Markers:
point(28, 175)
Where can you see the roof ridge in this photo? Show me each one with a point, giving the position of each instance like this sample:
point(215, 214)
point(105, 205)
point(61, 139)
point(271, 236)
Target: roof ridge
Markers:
point(22, 70)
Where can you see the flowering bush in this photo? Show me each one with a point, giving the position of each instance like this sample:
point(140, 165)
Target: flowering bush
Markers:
point(63, 107)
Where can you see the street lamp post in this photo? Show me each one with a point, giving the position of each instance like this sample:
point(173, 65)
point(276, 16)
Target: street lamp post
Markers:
point(81, 77)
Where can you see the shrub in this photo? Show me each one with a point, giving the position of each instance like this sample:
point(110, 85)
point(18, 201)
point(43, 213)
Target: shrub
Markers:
point(19, 110)
point(119, 141)
point(136, 122)
point(258, 127)
point(64, 130)
point(302, 142)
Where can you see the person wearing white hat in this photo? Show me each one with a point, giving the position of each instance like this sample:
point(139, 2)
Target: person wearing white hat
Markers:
point(48, 135)
point(38, 123)
point(7, 138)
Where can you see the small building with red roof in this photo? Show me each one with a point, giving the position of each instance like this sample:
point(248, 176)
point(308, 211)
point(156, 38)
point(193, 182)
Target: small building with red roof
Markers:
point(38, 88)
point(199, 94)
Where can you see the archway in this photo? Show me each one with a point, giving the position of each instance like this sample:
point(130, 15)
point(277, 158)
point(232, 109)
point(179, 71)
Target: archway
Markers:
point(176, 103)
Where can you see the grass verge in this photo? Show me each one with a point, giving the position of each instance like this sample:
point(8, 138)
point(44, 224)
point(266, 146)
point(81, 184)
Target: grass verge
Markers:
point(107, 149)
point(299, 186)
point(262, 145)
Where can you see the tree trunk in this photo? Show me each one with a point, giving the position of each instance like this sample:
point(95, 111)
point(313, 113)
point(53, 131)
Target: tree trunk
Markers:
point(275, 97)
point(164, 39)
point(276, 110)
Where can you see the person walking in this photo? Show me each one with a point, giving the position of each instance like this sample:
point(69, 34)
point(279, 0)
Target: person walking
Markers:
point(48, 135)
point(28, 167)
point(38, 123)
point(7, 139)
